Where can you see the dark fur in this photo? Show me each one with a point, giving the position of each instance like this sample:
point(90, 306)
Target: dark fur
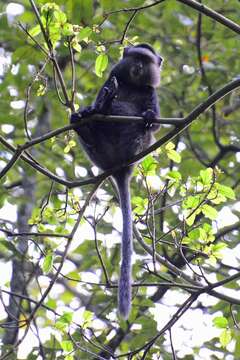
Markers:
point(129, 90)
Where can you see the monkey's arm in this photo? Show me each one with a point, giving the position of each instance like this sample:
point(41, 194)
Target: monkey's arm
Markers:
point(102, 103)
point(106, 95)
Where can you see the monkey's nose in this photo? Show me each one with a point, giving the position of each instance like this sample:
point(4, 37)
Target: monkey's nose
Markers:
point(137, 70)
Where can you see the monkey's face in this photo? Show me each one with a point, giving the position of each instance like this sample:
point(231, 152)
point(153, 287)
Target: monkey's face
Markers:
point(143, 72)
point(140, 66)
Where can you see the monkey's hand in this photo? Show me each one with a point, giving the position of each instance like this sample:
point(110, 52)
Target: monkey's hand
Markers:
point(113, 87)
point(149, 116)
point(87, 111)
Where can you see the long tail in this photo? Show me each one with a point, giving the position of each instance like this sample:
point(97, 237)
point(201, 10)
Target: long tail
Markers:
point(124, 288)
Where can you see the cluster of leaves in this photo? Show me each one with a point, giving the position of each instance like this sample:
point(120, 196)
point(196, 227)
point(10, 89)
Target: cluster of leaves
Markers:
point(225, 336)
point(199, 196)
point(57, 29)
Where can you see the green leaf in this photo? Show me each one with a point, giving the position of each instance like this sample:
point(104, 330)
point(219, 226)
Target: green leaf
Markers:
point(140, 204)
point(68, 357)
point(64, 321)
point(190, 219)
point(69, 146)
point(209, 212)
point(170, 146)
point(41, 90)
point(67, 345)
point(85, 33)
point(186, 240)
point(220, 322)
point(67, 149)
point(225, 337)
point(35, 31)
point(194, 234)
point(226, 191)
point(217, 249)
point(54, 33)
point(206, 176)
point(207, 227)
point(67, 29)
point(66, 318)
point(60, 17)
point(48, 7)
point(176, 175)
point(149, 165)
point(75, 44)
point(215, 197)
point(87, 318)
point(35, 217)
point(72, 143)
point(61, 326)
point(219, 246)
point(47, 263)
point(101, 64)
point(191, 202)
point(174, 156)
point(41, 228)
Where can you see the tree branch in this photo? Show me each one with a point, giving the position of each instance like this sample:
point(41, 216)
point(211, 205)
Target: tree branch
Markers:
point(193, 4)
point(180, 125)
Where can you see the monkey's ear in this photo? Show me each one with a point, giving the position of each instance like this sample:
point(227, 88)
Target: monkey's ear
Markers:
point(160, 60)
point(125, 51)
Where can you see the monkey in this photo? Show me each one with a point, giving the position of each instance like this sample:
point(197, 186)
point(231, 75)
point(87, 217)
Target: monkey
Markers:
point(130, 90)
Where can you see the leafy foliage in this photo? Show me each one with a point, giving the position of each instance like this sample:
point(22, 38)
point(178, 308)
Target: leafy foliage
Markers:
point(63, 245)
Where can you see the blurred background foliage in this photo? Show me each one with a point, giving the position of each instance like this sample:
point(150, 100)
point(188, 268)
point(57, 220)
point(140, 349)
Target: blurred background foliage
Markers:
point(201, 55)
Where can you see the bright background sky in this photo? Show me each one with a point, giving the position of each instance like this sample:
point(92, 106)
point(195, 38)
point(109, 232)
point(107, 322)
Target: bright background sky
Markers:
point(193, 328)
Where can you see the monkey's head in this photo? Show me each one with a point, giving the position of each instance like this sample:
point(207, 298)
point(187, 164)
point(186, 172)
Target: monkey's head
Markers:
point(140, 66)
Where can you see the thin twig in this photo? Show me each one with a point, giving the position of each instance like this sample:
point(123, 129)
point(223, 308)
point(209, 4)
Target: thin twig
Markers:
point(73, 72)
point(172, 347)
point(32, 38)
point(127, 26)
point(29, 88)
point(68, 103)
